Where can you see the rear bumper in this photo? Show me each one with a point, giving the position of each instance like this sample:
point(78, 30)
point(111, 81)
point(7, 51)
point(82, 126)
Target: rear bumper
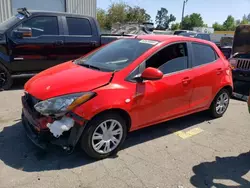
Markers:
point(241, 75)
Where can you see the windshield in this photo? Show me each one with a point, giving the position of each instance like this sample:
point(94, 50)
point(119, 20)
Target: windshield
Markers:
point(179, 31)
point(116, 55)
point(204, 36)
point(241, 41)
point(11, 21)
point(190, 34)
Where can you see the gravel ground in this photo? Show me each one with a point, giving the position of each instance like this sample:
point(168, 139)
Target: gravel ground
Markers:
point(193, 151)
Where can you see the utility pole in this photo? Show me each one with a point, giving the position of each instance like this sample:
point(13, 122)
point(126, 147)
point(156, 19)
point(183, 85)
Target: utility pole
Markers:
point(183, 10)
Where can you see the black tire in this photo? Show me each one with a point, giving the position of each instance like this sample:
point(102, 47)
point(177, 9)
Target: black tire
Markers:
point(5, 78)
point(86, 139)
point(213, 112)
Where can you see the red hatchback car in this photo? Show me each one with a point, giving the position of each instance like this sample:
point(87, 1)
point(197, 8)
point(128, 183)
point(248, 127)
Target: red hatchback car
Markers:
point(127, 85)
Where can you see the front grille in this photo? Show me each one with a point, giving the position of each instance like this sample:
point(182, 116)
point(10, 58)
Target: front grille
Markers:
point(243, 64)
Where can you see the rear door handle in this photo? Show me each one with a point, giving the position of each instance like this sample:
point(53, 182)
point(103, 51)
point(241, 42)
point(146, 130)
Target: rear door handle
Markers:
point(186, 81)
point(219, 71)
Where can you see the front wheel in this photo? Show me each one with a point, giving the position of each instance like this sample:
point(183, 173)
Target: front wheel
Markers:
point(220, 104)
point(5, 78)
point(104, 135)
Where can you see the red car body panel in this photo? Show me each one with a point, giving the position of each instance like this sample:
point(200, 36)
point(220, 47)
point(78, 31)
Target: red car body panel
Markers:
point(64, 79)
point(146, 103)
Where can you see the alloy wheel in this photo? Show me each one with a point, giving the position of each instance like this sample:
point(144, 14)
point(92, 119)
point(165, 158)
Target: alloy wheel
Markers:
point(222, 103)
point(107, 136)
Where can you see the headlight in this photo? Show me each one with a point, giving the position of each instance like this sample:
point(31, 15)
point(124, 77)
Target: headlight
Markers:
point(61, 105)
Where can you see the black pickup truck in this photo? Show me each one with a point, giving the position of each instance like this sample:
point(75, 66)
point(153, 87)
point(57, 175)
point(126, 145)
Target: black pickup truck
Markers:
point(33, 41)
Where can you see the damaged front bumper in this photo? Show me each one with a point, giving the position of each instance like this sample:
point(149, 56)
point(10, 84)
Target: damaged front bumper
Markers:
point(37, 131)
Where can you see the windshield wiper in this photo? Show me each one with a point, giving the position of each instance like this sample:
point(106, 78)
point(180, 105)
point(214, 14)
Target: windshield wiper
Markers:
point(90, 66)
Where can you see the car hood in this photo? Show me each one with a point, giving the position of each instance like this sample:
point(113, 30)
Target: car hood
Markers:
point(65, 79)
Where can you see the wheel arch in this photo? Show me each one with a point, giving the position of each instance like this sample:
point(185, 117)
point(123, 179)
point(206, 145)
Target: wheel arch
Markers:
point(5, 66)
point(123, 113)
point(229, 88)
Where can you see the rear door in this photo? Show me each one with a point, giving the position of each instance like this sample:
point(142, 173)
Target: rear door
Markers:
point(208, 71)
point(40, 51)
point(81, 36)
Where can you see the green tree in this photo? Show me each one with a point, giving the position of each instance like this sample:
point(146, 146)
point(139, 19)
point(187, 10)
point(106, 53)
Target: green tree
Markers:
point(218, 27)
point(117, 13)
point(229, 23)
point(175, 26)
point(191, 21)
point(102, 18)
point(244, 21)
point(163, 19)
point(121, 13)
point(246, 17)
point(137, 14)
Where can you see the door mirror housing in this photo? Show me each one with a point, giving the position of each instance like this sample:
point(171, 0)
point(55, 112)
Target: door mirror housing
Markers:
point(23, 32)
point(149, 74)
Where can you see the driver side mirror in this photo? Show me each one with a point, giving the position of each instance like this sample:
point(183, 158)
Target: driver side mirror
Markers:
point(149, 74)
point(22, 32)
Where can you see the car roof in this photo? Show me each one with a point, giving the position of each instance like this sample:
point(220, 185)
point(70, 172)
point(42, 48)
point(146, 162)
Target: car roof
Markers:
point(55, 13)
point(172, 38)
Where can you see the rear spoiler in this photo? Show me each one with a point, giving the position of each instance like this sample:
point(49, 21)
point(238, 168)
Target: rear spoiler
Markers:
point(23, 11)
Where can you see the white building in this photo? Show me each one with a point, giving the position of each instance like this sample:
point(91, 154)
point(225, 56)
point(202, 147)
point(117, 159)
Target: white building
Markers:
point(84, 7)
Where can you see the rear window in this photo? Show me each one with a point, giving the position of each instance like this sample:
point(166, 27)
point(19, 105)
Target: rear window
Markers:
point(79, 26)
point(203, 54)
point(116, 55)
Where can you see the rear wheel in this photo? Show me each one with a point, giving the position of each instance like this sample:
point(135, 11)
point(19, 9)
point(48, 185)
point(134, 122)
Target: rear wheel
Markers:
point(5, 78)
point(220, 104)
point(104, 135)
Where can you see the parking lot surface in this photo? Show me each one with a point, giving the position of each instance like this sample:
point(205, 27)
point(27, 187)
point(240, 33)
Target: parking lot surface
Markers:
point(193, 151)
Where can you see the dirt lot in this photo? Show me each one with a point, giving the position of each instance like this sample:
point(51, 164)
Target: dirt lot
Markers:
point(194, 151)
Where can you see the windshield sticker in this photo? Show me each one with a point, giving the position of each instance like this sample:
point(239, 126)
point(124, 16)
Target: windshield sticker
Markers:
point(149, 42)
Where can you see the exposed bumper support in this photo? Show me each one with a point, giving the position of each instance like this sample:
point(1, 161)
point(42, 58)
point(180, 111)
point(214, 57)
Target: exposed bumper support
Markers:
point(40, 135)
point(44, 139)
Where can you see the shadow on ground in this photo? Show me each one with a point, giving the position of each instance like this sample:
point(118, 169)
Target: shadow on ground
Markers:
point(19, 153)
point(226, 168)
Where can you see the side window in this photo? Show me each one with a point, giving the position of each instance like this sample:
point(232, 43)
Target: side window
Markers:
point(203, 54)
point(171, 59)
point(79, 26)
point(42, 25)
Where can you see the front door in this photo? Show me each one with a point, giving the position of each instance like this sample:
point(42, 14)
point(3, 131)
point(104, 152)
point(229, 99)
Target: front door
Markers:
point(169, 97)
point(40, 51)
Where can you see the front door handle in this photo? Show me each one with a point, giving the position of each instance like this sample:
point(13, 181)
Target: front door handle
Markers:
point(186, 81)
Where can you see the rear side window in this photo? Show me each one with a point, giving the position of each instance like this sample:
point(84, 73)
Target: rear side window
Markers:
point(79, 26)
point(203, 54)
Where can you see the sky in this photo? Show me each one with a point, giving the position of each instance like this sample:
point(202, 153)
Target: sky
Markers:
point(210, 10)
